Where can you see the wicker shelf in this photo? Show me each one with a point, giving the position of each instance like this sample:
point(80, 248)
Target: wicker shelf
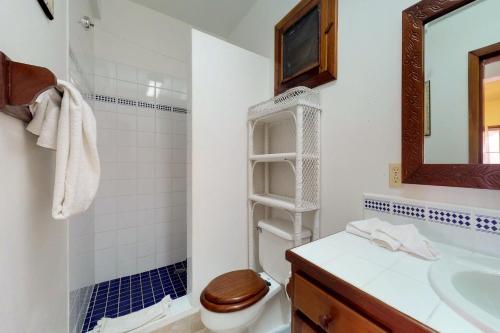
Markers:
point(275, 201)
point(285, 129)
point(279, 157)
point(273, 157)
point(278, 201)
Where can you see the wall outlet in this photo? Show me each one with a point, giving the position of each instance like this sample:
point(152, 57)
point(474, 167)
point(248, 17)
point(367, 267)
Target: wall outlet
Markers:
point(395, 175)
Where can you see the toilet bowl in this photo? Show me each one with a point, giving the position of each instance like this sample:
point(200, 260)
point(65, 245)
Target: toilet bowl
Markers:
point(240, 320)
point(233, 302)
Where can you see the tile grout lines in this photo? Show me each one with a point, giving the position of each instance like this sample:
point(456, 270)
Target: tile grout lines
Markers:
point(151, 282)
point(171, 282)
point(132, 293)
point(91, 309)
point(179, 274)
point(161, 282)
point(142, 289)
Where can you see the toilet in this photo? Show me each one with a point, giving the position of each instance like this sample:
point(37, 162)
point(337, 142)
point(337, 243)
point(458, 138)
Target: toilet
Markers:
point(234, 302)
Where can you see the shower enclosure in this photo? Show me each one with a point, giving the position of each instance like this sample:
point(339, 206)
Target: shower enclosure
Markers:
point(129, 250)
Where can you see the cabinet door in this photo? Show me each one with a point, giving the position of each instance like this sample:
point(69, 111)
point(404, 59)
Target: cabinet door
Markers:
point(301, 326)
point(327, 312)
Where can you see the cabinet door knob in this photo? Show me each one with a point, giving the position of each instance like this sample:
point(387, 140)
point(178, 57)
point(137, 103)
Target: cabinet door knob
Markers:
point(325, 320)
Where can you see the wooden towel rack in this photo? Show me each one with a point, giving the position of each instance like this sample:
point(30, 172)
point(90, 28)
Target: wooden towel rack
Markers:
point(20, 85)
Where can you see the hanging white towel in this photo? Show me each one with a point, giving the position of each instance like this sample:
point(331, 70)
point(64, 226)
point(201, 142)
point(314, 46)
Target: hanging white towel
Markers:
point(45, 121)
point(68, 125)
point(394, 237)
point(134, 320)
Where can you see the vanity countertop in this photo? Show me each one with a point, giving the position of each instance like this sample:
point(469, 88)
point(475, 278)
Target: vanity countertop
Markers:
point(395, 278)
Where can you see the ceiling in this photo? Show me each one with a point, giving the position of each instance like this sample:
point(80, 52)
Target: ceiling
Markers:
point(218, 17)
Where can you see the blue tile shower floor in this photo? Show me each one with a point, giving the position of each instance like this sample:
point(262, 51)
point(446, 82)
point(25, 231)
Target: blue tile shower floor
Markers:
point(128, 294)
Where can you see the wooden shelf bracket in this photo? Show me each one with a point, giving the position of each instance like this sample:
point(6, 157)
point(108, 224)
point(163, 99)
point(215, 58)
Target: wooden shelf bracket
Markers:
point(20, 85)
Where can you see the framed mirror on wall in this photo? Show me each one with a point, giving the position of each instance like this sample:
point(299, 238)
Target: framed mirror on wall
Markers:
point(451, 93)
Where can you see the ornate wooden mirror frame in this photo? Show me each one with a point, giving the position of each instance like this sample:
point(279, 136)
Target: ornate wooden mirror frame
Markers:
point(414, 170)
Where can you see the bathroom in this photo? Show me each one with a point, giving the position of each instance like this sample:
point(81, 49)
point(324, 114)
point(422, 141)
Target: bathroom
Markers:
point(170, 84)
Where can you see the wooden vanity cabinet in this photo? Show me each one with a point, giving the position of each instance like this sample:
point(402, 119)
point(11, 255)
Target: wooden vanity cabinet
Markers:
point(321, 302)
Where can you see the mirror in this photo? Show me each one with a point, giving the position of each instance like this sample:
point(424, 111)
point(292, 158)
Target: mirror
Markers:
point(451, 93)
point(453, 132)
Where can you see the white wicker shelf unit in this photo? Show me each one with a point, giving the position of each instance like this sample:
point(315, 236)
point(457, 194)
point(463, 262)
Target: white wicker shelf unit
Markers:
point(286, 130)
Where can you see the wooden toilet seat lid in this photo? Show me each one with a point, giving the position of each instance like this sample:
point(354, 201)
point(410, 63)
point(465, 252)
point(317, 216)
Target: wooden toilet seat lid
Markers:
point(234, 291)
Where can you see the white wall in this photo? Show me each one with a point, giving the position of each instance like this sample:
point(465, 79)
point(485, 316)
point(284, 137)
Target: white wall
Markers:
point(218, 223)
point(33, 246)
point(447, 45)
point(361, 120)
point(142, 56)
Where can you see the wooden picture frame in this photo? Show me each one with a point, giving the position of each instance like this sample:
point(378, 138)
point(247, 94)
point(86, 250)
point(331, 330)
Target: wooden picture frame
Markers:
point(415, 171)
point(314, 72)
point(48, 8)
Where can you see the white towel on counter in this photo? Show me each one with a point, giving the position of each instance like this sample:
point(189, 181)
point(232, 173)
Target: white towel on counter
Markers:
point(394, 237)
point(67, 124)
point(134, 320)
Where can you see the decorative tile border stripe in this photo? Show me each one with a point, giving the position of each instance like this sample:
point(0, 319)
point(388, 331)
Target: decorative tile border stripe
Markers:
point(407, 210)
point(180, 110)
point(475, 228)
point(146, 105)
point(450, 217)
point(128, 294)
point(469, 218)
point(126, 101)
point(102, 98)
point(378, 205)
point(141, 104)
point(488, 224)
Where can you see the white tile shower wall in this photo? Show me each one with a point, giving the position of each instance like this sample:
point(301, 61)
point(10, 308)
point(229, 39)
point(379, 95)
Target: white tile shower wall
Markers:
point(158, 43)
point(141, 204)
point(473, 228)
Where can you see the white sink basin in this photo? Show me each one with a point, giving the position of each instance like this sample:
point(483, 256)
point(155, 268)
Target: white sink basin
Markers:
point(471, 286)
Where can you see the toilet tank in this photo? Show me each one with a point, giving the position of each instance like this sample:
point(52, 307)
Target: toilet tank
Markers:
point(275, 237)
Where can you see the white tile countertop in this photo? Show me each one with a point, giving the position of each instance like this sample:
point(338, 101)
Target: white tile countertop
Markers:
point(396, 278)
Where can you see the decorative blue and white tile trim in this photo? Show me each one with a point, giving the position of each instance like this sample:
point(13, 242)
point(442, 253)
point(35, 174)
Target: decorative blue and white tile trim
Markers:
point(450, 217)
point(407, 210)
point(378, 205)
point(140, 104)
point(102, 98)
point(488, 224)
point(477, 229)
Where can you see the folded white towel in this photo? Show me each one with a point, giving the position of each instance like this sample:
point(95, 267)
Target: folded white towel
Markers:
point(394, 237)
point(134, 320)
point(68, 125)
point(365, 228)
